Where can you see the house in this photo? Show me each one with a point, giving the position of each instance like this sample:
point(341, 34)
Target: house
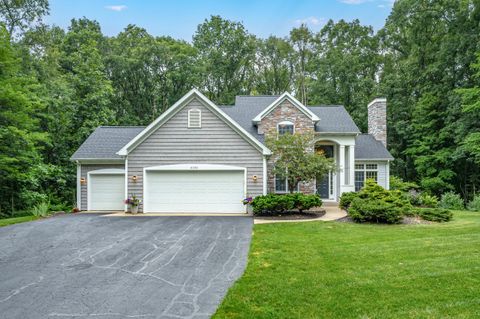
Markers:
point(198, 157)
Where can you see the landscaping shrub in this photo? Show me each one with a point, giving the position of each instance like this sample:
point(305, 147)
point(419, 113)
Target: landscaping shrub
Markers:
point(451, 200)
point(396, 183)
point(375, 204)
point(274, 204)
point(434, 214)
point(41, 209)
point(474, 204)
point(346, 199)
point(374, 211)
point(305, 201)
point(428, 200)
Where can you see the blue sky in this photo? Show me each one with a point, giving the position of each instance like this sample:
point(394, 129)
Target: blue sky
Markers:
point(179, 18)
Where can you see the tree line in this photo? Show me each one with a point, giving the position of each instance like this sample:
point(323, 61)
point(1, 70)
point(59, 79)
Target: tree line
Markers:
point(57, 86)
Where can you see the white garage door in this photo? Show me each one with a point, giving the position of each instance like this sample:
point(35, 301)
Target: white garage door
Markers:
point(107, 192)
point(194, 191)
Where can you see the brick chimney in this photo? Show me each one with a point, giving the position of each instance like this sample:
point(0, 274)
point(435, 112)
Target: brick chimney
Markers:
point(377, 119)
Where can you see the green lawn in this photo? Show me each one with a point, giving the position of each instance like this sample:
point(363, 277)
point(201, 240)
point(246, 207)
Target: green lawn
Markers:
point(341, 270)
point(16, 220)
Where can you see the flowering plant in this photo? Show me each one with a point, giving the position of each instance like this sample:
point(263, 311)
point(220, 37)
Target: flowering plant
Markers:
point(133, 201)
point(247, 200)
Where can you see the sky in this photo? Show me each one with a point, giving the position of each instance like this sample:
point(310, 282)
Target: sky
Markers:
point(180, 18)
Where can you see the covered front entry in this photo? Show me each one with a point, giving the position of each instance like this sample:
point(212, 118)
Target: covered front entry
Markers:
point(194, 189)
point(325, 184)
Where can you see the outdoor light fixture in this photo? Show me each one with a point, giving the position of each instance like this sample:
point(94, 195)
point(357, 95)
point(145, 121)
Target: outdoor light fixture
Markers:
point(254, 178)
point(134, 178)
point(83, 181)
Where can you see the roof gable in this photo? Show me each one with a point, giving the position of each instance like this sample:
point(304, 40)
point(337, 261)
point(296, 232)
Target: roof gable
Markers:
point(291, 99)
point(174, 109)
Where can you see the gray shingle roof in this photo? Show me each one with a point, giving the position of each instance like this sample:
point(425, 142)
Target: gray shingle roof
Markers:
point(105, 141)
point(334, 118)
point(367, 147)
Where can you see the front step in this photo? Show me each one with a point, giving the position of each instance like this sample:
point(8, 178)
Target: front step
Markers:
point(330, 204)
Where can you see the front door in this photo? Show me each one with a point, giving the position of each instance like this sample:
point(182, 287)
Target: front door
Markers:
point(324, 183)
point(323, 187)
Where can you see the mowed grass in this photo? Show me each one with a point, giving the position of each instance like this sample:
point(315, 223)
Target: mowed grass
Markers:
point(341, 270)
point(16, 220)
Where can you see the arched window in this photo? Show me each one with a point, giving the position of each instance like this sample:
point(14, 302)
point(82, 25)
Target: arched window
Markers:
point(285, 127)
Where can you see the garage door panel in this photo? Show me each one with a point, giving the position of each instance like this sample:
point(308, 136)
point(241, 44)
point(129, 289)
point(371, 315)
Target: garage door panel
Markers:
point(107, 191)
point(195, 191)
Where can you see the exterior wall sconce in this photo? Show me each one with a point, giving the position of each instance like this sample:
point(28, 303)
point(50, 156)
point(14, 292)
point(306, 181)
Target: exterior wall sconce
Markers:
point(83, 181)
point(134, 178)
point(254, 178)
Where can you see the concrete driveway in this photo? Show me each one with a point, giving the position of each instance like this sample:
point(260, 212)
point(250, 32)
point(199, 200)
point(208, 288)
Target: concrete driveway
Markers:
point(89, 266)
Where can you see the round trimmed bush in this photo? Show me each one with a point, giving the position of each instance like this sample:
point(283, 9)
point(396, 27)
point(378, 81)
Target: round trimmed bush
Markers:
point(374, 211)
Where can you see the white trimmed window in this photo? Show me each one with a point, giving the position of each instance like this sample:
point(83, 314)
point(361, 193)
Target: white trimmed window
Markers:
point(281, 185)
point(194, 118)
point(285, 127)
point(364, 172)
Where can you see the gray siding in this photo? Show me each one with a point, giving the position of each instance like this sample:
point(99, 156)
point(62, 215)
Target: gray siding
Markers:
point(214, 143)
point(84, 169)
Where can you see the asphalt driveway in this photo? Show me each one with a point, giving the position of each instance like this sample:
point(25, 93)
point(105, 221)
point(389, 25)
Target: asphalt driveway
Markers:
point(88, 266)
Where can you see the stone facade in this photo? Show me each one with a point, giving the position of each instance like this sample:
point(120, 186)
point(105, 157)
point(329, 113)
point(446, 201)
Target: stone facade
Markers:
point(286, 111)
point(377, 120)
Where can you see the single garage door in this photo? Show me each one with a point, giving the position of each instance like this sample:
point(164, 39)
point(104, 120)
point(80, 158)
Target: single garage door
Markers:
point(106, 192)
point(194, 191)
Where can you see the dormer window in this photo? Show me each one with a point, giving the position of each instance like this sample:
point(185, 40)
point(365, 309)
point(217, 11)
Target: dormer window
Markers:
point(285, 127)
point(194, 118)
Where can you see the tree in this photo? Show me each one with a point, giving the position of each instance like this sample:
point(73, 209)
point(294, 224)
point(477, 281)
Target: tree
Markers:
point(226, 53)
point(20, 110)
point(471, 108)
point(275, 66)
point(84, 67)
point(20, 14)
point(301, 39)
point(148, 74)
point(344, 67)
point(293, 157)
point(428, 48)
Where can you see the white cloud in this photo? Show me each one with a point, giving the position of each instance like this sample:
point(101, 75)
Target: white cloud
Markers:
point(117, 8)
point(354, 1)
point(311, 21)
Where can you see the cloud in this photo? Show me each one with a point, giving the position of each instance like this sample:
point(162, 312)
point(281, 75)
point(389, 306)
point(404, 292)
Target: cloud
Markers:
point(355, 2)
point(117, 8)
point(311, 21)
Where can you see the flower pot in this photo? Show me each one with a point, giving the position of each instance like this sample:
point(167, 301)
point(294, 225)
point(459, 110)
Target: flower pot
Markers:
point(134, 209)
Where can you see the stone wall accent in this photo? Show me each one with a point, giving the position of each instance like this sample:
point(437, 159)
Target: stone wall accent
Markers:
point(377, 119)
point(286, 111)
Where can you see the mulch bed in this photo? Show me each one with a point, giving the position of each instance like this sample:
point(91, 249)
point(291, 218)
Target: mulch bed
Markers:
point(294, 215)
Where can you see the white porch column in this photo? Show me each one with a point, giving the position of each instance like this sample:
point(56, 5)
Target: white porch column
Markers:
point(341, 167)
point(352, 166)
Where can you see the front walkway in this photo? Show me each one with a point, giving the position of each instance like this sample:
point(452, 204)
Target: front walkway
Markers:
point(332, 212)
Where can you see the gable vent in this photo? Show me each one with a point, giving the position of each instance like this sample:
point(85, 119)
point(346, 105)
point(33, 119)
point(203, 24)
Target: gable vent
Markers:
point(194, 119)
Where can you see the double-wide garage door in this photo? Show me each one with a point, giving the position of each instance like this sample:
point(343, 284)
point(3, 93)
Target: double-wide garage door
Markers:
point(193, 191)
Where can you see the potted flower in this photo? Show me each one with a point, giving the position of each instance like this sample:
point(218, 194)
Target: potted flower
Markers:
point(133, 202)
point(247, 201)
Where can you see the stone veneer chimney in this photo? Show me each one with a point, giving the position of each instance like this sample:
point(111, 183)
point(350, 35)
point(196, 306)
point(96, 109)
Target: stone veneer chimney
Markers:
point(377, 119)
